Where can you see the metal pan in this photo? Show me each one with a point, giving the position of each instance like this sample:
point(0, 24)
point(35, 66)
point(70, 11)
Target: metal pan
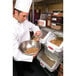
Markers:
point(26, 45)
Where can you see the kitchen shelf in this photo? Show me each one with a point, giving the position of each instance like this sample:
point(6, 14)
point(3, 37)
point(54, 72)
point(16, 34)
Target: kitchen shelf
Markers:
point(49, 29)
point(58, 15)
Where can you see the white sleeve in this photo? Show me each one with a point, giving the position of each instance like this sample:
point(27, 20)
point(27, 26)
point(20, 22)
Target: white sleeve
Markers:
point(33, 27)
point(17, 54)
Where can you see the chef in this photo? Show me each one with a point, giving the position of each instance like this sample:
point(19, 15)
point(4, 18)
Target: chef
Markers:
point(21, 32)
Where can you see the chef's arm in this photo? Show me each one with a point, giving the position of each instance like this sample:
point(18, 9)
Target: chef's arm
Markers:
point(17, 54)
point(37, 33)
point(34, 28)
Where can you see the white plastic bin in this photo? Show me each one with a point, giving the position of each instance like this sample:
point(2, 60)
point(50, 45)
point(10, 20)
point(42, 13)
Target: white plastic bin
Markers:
point(44, 63)
point(52, 47)
point(45, 36)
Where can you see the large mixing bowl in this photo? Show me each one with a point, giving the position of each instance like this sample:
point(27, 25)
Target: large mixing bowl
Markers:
point(26, 47)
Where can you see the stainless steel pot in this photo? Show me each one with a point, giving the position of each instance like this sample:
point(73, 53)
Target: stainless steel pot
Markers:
point(29, 44)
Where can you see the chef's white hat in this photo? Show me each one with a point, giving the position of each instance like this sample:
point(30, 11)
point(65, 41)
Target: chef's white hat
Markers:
point(23, 5)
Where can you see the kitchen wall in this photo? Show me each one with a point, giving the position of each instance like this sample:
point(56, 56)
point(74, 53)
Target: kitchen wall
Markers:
point(55, 6)
point(49, 7)
point(42, 7)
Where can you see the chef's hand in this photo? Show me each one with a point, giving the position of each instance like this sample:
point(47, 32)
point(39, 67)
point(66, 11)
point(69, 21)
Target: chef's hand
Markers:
point(37, 33)
point(36, 38)
point(35, 55)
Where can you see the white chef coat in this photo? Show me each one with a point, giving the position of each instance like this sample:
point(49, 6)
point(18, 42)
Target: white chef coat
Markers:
point(21, 32)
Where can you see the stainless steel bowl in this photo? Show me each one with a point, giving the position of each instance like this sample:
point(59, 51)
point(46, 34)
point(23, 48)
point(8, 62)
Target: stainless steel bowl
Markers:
point(29, 44)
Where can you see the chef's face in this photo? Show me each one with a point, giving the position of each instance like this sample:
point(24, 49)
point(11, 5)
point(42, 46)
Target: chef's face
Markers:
point(22, 17)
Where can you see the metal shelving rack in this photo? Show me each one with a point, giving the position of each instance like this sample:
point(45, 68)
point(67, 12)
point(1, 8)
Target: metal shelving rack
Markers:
point(43, 2)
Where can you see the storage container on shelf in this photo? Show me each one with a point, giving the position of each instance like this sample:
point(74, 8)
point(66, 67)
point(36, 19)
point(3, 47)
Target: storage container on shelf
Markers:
point(57, 12)
point(42, 23)
point(44, 36)
point(58, 55)
point(57, 20)
point(53, 47)
point(49, 62)
point(42, 20)
point(57, 26)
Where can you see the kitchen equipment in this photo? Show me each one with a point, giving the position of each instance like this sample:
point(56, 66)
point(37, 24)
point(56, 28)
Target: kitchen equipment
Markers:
point(50, 58)
point(56, 19)
point(55, 45)
point(30, 47)
point(45, 35)
point(58, 55)
point(49, 62)
point(42, 23)
point(43, 39)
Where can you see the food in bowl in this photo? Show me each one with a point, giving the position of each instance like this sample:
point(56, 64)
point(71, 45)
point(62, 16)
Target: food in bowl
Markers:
point(30, 47)
point(57, 41)
point(31, 50)
point(36, 38)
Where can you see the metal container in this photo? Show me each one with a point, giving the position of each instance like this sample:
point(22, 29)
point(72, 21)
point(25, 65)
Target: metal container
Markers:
point(24, 46)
